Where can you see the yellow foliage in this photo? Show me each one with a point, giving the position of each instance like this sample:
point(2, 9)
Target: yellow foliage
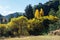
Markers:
point(37, 14)
point(11, 24)
point(13, 19)
point(41, 12)
point(33, 23)
point(50, 17)
point(18, 22)
point(22, 18)
point(41, 16)
point(3, 25)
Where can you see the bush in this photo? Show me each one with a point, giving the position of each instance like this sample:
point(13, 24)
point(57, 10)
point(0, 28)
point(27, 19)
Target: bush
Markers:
point(35, 27)
point(19, 25)
point(3, 28)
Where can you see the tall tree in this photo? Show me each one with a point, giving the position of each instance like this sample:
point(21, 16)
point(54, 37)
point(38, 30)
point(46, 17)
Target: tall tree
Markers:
point(29, 12)
point(41, 12)
point(55, 25)
point(37, 14)
point(37, 7)
point(58, 12)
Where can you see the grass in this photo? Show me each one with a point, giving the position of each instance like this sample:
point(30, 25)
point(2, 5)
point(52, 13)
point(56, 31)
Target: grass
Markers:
point(34, 38)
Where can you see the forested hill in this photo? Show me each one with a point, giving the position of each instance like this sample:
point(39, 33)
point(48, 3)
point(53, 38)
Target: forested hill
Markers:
point(48, 7)
point(36, 20)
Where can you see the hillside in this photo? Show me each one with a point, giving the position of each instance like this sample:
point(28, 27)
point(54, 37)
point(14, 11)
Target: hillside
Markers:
point(39, 19)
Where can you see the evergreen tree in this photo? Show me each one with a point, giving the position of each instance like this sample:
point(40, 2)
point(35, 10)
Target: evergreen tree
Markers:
point(29, 12)
point(52, 12)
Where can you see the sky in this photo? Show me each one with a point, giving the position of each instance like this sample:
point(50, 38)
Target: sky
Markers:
point(11, 6)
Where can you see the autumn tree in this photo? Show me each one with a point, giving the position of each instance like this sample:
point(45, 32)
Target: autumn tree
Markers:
point(41, 12)
point(37, 14)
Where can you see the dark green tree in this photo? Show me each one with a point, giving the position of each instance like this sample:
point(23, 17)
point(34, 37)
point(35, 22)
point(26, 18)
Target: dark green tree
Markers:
point(58, 12)
point(29, 12)
point(55, 25)
point(52, 12)
point(55, 0)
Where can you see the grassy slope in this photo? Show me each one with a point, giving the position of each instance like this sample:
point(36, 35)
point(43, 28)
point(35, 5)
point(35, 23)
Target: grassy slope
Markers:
point(35, 38)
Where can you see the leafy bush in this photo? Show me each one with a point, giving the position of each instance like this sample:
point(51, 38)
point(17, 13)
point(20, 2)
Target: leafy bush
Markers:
point(3, 28)
point(19, 25)
point(35, 26)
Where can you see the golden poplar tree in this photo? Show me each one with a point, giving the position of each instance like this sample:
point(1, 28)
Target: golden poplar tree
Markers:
point(37, 13)
point(41, 12)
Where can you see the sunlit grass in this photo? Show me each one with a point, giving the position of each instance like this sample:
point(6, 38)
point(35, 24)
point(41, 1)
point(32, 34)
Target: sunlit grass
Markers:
point(35, 38)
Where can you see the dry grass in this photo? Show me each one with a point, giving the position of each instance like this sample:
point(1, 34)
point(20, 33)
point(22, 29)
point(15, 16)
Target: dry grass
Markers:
point(35, 38)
